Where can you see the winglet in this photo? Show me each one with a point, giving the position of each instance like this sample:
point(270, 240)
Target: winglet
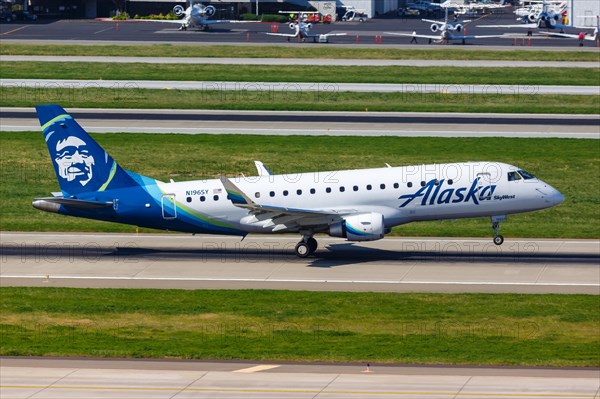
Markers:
point(235, 195)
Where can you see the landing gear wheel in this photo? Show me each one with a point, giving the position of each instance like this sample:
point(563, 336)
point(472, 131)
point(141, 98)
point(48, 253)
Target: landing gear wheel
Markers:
point(498, 240)
point(302, 249)
point(312, 244)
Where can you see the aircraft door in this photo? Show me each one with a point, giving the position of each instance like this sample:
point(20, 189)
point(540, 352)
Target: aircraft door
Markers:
point(169, 206)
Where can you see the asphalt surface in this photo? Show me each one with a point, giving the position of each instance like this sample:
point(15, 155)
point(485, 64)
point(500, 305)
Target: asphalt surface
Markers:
point(268, 262)
point(98, 378)
point(317, 123)
point(357, 33)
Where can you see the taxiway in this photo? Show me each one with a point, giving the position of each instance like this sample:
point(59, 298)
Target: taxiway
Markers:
point(60, 378)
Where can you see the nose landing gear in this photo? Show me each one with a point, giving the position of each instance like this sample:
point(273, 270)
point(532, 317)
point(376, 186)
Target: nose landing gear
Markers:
point(498, 239)
point(306, 247)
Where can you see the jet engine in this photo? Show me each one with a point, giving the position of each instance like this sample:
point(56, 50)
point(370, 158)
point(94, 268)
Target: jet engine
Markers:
point(434, 27)
point(309, 26)
point(362, 227)
point(209, 11)
point(458, 28)
point(292, 25)
point(531, 18)
point(178, 10)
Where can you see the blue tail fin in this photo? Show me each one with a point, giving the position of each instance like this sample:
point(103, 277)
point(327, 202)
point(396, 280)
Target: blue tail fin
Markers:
point(81, 165)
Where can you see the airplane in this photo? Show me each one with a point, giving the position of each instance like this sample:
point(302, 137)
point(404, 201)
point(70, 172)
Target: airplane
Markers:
point(445, 29)
point(359, 205)
point(547, 18)
point(581, 35)
point(302, 29)
point(195, 16)
point(472, 9)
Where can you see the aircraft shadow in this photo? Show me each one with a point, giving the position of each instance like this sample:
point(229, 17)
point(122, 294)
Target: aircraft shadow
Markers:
point(334, 255)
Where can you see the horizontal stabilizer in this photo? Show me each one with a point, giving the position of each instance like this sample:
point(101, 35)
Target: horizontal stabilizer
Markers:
point(75, 203)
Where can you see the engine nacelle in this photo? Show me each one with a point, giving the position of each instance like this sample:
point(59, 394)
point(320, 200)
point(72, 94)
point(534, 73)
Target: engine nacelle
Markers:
point(531, 17)
point(362, 227)
point(292, 25)
point(309, 26)
point(434, 27)
point(178, 10)
point(458, 28)
point(210, 11)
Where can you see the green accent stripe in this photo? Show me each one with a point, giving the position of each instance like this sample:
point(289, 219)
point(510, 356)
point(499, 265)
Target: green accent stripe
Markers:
point(113, 169)
point(54, 120)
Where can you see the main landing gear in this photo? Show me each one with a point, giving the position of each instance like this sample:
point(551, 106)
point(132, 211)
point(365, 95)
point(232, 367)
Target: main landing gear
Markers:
point(306, 247)
point(498, 239)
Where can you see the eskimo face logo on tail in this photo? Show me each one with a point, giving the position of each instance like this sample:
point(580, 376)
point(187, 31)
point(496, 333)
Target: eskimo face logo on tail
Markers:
point(74, 161)
point(434, 192)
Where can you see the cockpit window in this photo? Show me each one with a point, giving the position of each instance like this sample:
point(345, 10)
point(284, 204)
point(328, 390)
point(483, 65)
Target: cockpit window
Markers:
point(513, 176)
point(526, 175)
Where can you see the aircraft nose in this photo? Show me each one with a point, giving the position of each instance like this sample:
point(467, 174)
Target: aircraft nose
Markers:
point(551, 195)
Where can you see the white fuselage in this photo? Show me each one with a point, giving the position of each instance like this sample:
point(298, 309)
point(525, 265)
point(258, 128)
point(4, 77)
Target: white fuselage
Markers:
point(400, 194)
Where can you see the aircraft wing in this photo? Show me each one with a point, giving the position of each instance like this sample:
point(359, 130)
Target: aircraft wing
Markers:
point(283, 34)
point(414, 34)
point(531, 26)
point(569, 35)
point(281, 218)
point(325, 34)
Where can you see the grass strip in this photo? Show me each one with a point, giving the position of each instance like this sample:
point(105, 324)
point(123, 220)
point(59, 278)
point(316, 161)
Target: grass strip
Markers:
point(567, 164)
point(526, 77)
point(291, 100)
point(185, 50)
point(473, 329)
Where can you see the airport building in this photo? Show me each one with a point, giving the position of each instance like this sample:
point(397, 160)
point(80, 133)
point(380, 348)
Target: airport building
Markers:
point(226, 8)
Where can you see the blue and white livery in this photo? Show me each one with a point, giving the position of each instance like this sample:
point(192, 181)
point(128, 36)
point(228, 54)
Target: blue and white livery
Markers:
point(359, 205)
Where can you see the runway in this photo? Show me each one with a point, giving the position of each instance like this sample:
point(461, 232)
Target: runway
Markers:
point(60, 378)
point(267, 262)
point(406, 124)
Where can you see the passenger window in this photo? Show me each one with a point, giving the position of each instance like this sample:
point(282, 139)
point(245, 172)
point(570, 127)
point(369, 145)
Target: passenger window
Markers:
point(312, 191)
point(285, 193)
point(355, 188)
point(396, 185)
point(423, 184)
point(202, 198)
point(369, 187)
point(272, 194)
point(382, 186)
point(513, 176)
point(409, 184)
point(328, 190)
point(257, 195)
point(342, 189)
point(189, 199)
point(450, 181)
point(299, 192)
point(216, 197)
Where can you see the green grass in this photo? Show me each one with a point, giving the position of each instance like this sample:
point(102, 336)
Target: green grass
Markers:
point(183, 50)
point(325, 100)
point(294, 73)
point(570, 165)
point(473, 329)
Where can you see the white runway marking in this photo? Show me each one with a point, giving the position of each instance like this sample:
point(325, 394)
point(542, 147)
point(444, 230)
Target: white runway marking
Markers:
point(260, 367)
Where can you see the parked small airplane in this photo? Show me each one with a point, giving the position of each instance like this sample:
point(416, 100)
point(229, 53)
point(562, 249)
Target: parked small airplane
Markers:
point(195, 16)
point(302, 29)
point(359, 205)
point(445, 29)
point(547, 18)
